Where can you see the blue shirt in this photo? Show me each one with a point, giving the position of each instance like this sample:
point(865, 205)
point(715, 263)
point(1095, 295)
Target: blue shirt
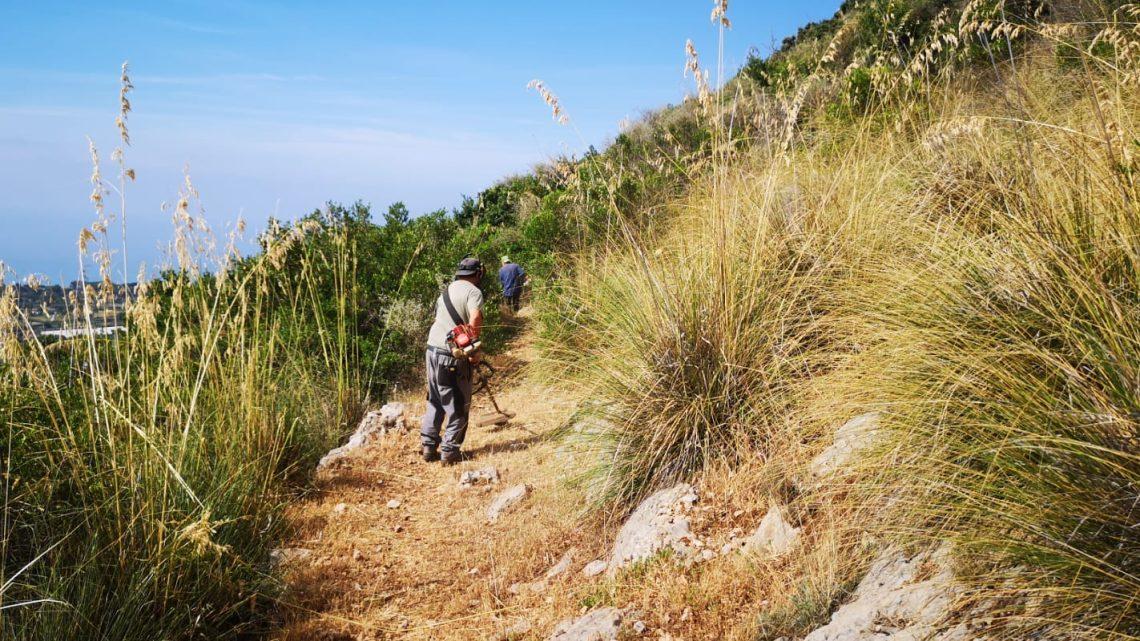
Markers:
point(511, 276)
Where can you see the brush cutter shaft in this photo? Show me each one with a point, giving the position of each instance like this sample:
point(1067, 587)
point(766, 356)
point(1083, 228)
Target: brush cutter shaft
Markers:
point(500, 417)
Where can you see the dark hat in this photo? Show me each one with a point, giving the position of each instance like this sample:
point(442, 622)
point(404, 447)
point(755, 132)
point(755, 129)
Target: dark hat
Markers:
point(469, 266)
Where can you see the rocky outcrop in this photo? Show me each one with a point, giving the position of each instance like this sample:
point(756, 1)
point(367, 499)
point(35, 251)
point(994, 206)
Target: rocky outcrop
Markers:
point(659, 522)
point(852, 437)
point(392, 416)
point(602, 624)
point(374, 425)
point(902, 598)
point(507, 500)
point(774, 536)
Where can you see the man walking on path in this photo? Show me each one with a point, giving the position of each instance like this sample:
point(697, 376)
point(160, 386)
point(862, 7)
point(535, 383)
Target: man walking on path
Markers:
point(449, 378)
point(512, 276)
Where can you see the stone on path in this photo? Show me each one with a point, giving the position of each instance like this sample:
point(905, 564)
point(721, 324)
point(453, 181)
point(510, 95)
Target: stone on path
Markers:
point(484, 476)
point(506, 500)
point(562, 565)
point(774, 536)
point(600, 625)
point(393, 504)
point(657, 523)
point(851, 438)
point(902, 598)
point(374, 425)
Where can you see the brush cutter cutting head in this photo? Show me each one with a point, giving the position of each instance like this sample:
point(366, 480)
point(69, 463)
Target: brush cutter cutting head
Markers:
point(498, 419)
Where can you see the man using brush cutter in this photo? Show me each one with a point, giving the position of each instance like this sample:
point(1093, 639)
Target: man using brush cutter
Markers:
point(512, 277)
point(452, 352)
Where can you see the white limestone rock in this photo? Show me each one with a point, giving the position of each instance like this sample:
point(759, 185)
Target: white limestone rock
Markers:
point(594, 568)
point(507, 500)
point(374, 425)
point(284, 556)
point(392, 416)
point(659, 522)
point(540, 585)
point(562, 565)
point(851, 438)
point(602, 624)
point(484, 476)
point(774, 536)
point(902, 598)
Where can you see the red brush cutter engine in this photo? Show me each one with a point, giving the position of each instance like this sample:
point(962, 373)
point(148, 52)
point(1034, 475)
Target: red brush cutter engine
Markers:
point(463, 342)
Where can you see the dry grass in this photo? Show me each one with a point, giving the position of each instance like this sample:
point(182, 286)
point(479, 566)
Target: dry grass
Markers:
point(965, 264)
point(962, 258)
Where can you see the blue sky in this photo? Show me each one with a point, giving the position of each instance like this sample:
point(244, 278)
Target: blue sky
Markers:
point(279, 107)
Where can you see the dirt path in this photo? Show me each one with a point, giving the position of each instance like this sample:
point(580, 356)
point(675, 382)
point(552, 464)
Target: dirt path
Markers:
point(391, 547)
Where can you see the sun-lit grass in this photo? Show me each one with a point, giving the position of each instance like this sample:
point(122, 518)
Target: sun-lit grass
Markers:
point(1006, 353)
point(144, 474)
point(963, 262)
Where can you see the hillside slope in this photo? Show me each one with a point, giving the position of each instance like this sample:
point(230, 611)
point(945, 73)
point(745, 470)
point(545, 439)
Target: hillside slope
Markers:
point(885, 342)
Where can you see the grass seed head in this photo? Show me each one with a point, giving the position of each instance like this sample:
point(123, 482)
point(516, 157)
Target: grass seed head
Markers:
point(693, 66)
point(720, 13)
point(97, 190)
point(551, 101)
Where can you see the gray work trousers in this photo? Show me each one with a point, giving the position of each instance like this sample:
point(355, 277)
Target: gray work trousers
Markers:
point(449, 392)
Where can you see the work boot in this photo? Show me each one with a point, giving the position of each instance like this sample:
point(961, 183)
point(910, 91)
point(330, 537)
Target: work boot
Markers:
point(451, 457)
point(431, 455)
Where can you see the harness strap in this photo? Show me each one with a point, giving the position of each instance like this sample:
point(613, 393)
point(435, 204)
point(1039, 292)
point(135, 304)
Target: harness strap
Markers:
point(446, 298)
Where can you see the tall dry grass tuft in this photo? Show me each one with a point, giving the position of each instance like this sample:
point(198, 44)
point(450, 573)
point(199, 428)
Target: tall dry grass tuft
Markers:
point(145, 473)
point(1004, 353)
point(700, 77)
point(689, 350)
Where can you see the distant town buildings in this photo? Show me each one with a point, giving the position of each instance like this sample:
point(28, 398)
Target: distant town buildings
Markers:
point(49, 309)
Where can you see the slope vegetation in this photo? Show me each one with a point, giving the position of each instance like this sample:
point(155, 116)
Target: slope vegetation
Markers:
point(949, 246)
